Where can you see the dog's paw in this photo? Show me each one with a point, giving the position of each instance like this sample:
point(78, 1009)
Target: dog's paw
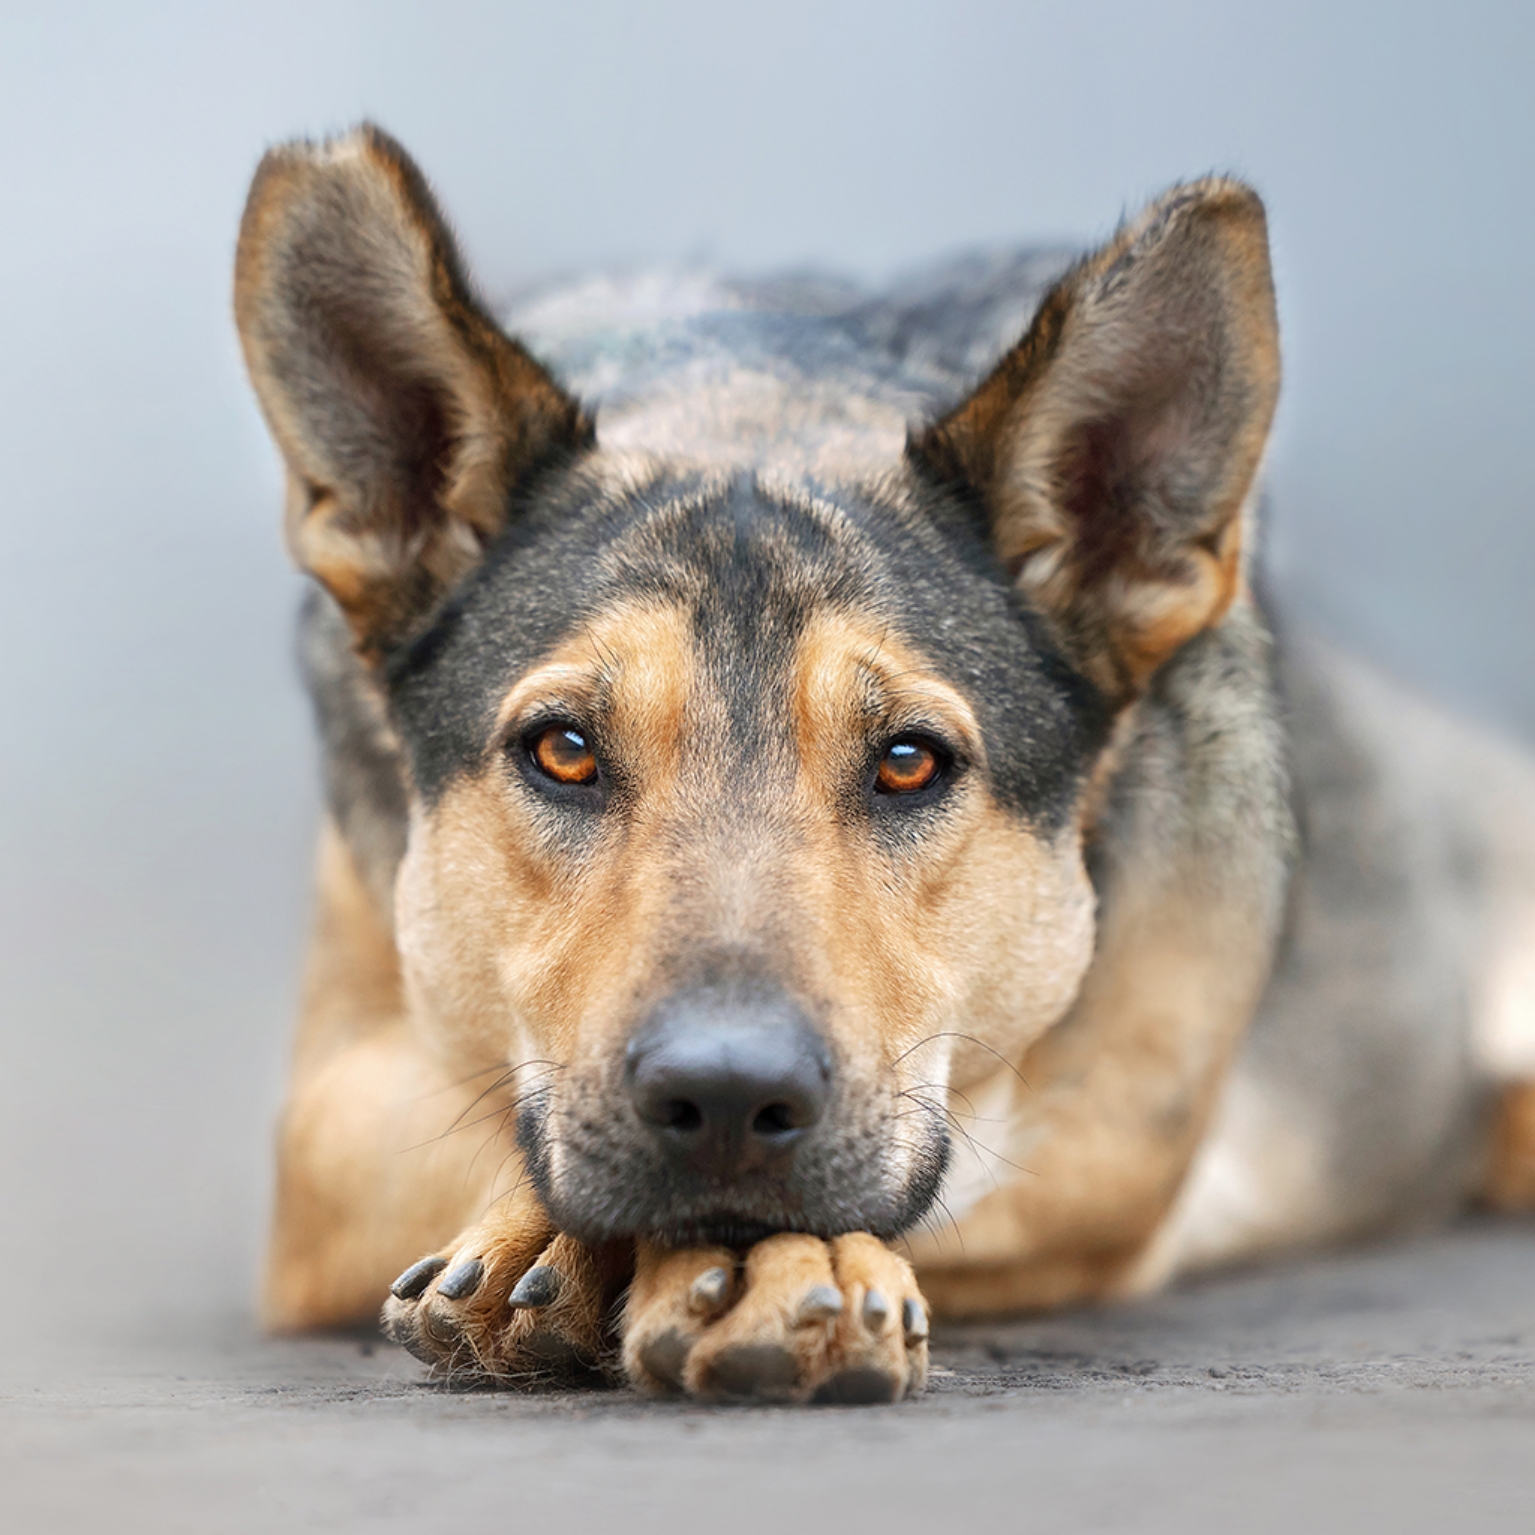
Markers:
point(510, 1303)
point(798, 1320)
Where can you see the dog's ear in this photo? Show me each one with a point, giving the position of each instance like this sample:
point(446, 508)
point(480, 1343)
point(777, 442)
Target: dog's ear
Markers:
point(1115, 447)
point(404, 413)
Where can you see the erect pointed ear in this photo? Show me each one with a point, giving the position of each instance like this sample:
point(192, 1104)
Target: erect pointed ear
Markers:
point(405, 415)
point(1114, 449)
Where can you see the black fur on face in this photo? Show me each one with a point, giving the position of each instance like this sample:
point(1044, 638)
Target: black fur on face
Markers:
point(753, 562)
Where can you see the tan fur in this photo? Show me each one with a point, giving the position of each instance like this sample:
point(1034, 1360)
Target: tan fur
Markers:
point(904, 955)
point(759, 1330)
point(1509, 1180)
point(1093, 1133)
point(367, 1177)
point(492, 929)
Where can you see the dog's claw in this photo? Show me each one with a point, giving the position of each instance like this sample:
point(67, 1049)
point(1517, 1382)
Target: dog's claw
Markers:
point(913, 1320)
point(540, 1286)
point(820, 1304)
point(463, 1280)
point(708, 1292)
point(876, 1311)
point(416, 1278)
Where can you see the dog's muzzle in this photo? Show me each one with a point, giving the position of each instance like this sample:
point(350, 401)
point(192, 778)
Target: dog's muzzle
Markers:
point(724, 1119)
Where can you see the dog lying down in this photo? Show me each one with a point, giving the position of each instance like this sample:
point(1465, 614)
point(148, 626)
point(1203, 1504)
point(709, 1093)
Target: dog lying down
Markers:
point(816, 841)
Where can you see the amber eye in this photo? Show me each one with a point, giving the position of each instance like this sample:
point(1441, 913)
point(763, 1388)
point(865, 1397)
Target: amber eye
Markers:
point(909, 764)
point(562, 754)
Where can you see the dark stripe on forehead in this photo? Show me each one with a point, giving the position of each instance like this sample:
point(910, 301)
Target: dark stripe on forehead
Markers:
point(750, 565)
point(939, 586)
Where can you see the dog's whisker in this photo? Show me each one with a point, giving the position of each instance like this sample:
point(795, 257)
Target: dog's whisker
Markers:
point(453, 1087)
point(981, 1150)
point(968, 1038)
point(970, 1109)
point(459, 1124)
point(492, 1139)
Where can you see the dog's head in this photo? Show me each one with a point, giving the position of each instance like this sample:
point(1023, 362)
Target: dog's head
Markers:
point(747, 809)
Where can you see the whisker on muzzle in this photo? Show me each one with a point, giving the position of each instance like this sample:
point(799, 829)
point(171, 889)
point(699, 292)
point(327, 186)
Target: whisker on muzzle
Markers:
point(968, 1039)
point(978, 1147)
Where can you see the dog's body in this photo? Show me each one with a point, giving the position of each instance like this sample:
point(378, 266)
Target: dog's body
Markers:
point(756, 838)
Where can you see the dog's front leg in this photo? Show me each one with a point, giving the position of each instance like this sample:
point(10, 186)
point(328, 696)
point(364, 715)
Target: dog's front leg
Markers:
point(511, 1301)
point(794, 1319)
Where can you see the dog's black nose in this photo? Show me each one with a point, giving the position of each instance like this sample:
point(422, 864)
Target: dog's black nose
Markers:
point(728, 1079)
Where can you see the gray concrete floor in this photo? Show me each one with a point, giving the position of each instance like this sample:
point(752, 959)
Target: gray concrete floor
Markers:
point(1383, 1389)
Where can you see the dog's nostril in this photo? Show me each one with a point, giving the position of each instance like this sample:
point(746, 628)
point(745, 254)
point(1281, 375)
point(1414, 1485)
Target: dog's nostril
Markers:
point(679, 1114)
point(775, 1119)
point(730, 1082)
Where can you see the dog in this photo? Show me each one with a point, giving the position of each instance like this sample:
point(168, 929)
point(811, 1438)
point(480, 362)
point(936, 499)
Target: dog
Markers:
point(833, 839)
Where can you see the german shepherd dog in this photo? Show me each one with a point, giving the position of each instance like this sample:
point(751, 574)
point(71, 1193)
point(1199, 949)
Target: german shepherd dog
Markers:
point(791, 871)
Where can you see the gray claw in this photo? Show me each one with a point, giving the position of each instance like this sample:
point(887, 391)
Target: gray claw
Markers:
point(462, 1281)
point(913, 1320)
point(707, 1293)
point(416, 1278)
point(820, 1305)
point(540, 1286)
point(876, 1311)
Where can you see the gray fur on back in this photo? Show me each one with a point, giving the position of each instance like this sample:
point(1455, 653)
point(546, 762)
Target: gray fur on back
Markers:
point(923, 341)
point(1359, 1099)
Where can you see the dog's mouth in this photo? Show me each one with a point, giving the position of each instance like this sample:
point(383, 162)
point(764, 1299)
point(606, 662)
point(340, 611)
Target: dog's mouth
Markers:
point(601, 1185)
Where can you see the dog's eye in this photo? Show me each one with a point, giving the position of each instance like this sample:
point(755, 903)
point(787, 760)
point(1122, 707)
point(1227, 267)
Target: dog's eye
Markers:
point(910, 763)
point(561, 753)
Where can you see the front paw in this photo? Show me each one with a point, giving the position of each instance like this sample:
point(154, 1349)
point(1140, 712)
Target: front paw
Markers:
point(799, 1319)
point(511, 1303)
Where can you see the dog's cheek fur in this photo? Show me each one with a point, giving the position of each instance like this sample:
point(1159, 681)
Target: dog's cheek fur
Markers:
point(921, 991)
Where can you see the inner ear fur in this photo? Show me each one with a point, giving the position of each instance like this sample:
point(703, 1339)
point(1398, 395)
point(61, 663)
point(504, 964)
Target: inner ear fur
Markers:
point(406, 417)
point(1116, 446)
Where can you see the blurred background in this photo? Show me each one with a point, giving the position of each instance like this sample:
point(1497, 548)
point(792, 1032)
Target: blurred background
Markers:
point(157, 783)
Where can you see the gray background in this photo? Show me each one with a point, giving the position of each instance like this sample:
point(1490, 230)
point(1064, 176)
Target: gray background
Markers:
point(156, 778)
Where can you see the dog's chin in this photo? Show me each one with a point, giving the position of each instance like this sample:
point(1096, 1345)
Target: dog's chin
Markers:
point(594, 1215)
point(598, 1199)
